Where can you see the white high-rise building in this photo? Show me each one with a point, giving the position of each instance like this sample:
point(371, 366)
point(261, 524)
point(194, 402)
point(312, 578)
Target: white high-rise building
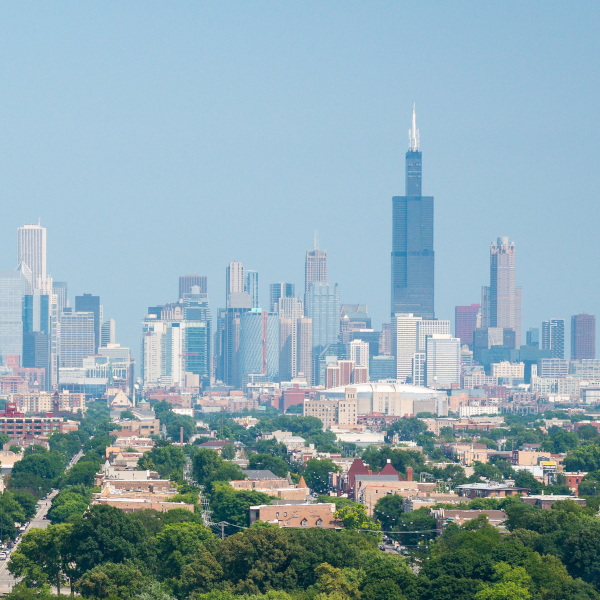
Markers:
point(107, 333)
point(359, 353)
point(404, 343)
point(442, 360)
point(76, 338)
point(409, 335)
point(289, 310)
point(31, 250)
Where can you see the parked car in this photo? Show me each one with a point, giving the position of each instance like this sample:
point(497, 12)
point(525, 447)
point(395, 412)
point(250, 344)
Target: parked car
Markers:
point(45, 518)
point(3, 555)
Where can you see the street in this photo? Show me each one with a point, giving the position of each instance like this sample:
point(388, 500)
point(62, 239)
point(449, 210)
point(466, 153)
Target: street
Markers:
point(6, 579)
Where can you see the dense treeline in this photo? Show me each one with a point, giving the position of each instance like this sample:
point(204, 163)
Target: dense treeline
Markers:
point(107, 553)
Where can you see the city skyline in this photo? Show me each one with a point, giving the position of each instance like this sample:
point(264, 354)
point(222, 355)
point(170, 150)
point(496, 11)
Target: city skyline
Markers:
point(202, 152)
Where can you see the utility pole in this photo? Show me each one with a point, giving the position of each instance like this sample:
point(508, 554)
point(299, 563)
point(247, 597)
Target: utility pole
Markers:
point(222, 524)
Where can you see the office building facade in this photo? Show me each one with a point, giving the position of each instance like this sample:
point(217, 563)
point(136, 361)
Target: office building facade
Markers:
point(304, 349)
point(259, 345)
point(91, 304)
point(315, 266)
point(323, 307)
point(12, 288)
point(60, 288)
point(280, 290)
point(466, 322)
point(289, 311)
point(413, 258)
point(583, 337)
point(532, 338)
point(501, 300)
point(252, 287)
point(31, 250)
point(77, 337)
point(186, 282)
point(553, 337)
point(107, 333)
point(442, 361)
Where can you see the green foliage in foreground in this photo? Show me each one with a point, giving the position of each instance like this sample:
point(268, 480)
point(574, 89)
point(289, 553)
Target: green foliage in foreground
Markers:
point(547, 555)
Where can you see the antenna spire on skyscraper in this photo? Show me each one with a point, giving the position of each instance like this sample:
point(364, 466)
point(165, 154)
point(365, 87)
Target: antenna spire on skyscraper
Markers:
point(316, 239)
point(413, 134)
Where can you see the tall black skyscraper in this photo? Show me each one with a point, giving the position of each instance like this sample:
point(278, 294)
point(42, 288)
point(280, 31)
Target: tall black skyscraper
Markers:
point(413, 258)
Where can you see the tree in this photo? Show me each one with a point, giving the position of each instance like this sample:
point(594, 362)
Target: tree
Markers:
point(331, 582)
point(317, 474)
point(388, 511)
point(209, 467)
point(407, 428)
point(487, 471)
point(275, 464)
point(154, 592)
point(356, 517)
point(587, 433)
point(106, 534)
point(178, 544)
point(111, 580)
point(11, 512)
point(42, 557)
point(526, 480)
point(167, 460)
point(233, 506)
point(4, 438)
point(585, 458)
point(228, 452)
point(512, 584)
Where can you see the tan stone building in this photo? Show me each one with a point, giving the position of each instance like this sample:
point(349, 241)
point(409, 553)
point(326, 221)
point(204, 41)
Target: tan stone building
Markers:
point(300, 516)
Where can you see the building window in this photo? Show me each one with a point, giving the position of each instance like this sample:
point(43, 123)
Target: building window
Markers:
point(319, 523)
point(304, 522)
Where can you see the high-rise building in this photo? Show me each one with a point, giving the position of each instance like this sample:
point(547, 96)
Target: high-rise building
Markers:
point(304, 357)
point(37, 331)
point(583, 337)
point(60, 289)
point(31, 250)
point(358, 351)
point(385, 340)
point(404, 343)
point(259, 345)
point(501, 300)
point(413, 259)
point(289, 310)
point(91, 304)
point(465, 322)
point(12, 288)
point(323, 307)
point(107, 334)
point(252, 287)
point(553, 337)
point(186, 282)
point(152, 350)
point(315, 268)
point(280, 290)
point(442, 361)
point(382, 367)
point(77, 337)
point(532, 337)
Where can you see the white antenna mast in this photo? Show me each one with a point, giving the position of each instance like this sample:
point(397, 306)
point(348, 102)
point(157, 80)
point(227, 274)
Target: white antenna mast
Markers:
point(316, 239)
point(413, 134)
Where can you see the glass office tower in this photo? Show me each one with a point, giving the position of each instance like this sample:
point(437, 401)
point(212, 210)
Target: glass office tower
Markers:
point(412, 240)
point(12, 288)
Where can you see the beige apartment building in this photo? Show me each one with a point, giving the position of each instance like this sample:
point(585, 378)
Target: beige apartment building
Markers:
point(332, 412)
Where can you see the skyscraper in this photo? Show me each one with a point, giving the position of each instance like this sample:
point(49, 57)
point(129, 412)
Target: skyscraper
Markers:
point(583, 336)
point(553, 337)
point(315, 268)
point(280, 290)
point(12, 287)
point(501, 301)
point(37, 331)
point(31, 250)
point(304, 357)
point(60, 288)
point(77, 337)
point(290, 310)
point(259, 345)
point(465, 322)
point(442, 361)
point(413, 259)
point(186, 282)
point(107, 334)
point(89, 303)
point(532, 337)
point(323, 307)
point(252, 287)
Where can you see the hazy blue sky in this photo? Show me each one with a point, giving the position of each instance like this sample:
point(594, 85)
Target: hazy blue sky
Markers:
point(157, 139)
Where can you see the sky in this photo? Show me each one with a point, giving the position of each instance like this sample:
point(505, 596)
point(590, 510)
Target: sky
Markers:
point(156, 139)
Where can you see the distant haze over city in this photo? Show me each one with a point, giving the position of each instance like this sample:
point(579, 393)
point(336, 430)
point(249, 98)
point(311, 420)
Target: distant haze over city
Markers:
point(152, 141)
